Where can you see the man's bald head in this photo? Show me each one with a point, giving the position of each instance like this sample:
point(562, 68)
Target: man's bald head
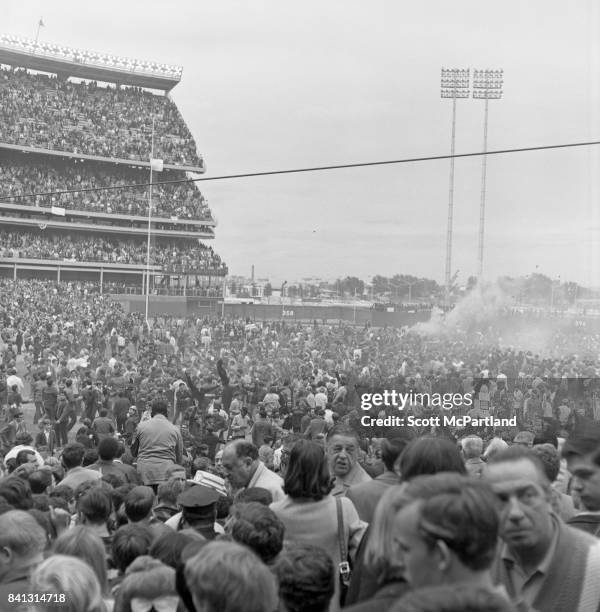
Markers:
point(240, 460)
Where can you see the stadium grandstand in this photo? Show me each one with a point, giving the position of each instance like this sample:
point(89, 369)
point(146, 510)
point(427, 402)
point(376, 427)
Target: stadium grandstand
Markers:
point(78, 131)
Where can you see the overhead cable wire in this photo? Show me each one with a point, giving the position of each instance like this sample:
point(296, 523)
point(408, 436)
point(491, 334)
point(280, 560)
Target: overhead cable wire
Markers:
point(407, 160)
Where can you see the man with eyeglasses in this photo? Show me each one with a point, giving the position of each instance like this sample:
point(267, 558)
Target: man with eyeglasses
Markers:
point(543, 563)
point(342, 451)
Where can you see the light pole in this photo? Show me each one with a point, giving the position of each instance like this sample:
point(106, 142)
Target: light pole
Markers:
point(224, 294)
point(455, 84)
point(156, 165)
point(487, 85)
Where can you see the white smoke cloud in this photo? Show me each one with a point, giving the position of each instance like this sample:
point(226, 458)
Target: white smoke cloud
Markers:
point(479, 310)
point(484, 315)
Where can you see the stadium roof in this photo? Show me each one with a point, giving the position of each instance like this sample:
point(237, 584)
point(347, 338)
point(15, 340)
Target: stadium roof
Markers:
point(66, 61)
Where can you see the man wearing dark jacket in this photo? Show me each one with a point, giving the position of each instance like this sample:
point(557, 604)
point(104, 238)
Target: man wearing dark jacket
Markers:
point(228, 390)
point(91, 400)
point(366, 495)
point(120, 409)
point(103, 425)
point(45, 440)
point(50, 399)
point(108, 451)
point(62, 417)
point(586, 485)
point(262, 429)
point(39, 383)
point(317, 426)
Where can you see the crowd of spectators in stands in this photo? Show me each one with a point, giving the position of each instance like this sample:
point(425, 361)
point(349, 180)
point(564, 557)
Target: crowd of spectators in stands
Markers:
point(48, 112)
point(20, 178)
point(171, 256)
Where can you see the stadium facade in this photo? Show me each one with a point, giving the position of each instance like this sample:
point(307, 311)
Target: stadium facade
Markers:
point(73, 121)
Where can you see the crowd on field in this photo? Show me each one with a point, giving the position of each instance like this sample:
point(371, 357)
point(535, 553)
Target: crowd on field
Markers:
point(222, 465)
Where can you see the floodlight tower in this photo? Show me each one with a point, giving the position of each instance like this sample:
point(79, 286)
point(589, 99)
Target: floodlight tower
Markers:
point(455, 84)
point(487, 85)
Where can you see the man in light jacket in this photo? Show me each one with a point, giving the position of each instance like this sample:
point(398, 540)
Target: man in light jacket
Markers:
point(158, 445)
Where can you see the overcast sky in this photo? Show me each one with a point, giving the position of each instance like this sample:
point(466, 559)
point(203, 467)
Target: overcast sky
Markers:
point(273, 84)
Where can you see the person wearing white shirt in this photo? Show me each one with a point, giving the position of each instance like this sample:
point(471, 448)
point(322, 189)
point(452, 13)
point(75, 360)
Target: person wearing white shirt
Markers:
point(321, 398)
point(13, 379)
point(244, 470)
point(15, 450)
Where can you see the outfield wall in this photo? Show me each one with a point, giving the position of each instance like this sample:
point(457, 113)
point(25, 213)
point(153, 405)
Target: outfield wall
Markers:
point(201, 307)
point(330, 314)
